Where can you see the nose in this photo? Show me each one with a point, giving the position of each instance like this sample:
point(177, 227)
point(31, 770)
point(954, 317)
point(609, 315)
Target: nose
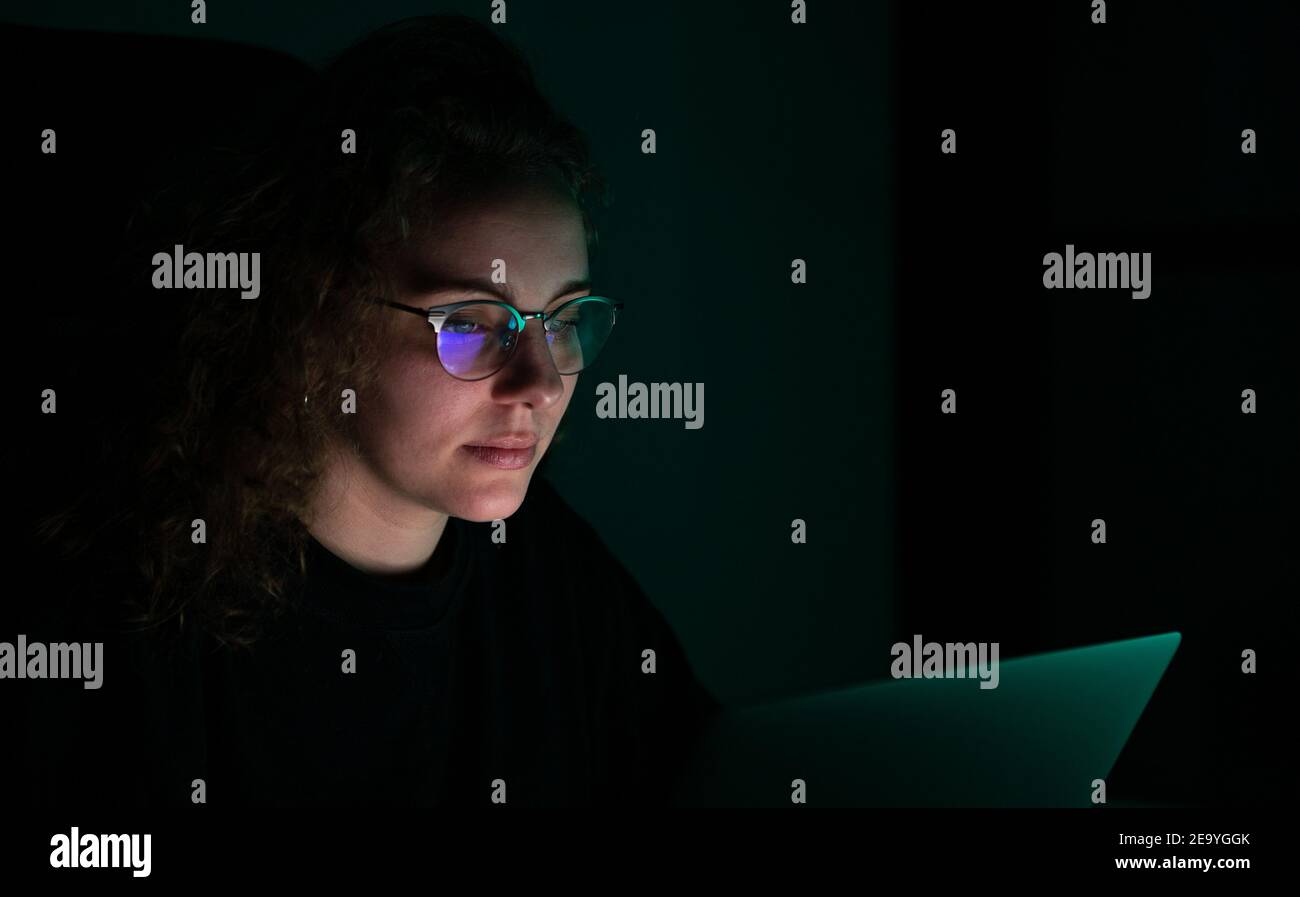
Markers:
point(530, 376)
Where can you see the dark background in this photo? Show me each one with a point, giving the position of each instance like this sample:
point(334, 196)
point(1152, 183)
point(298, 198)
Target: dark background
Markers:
point(822, 401)
point(1080, 404)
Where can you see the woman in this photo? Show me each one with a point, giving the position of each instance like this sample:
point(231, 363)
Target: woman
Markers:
point(347, 588)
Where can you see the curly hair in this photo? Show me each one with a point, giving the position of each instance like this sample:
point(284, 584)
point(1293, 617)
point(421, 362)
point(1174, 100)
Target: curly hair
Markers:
point(440, 107)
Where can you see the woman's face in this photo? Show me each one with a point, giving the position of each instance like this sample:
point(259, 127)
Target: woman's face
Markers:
point(416, 425)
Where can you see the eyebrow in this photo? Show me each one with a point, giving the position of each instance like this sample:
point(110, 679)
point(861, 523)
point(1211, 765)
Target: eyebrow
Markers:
point(501, 291)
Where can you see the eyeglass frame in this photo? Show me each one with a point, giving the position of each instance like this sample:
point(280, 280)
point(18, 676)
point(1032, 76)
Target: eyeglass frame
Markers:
point(437, 315)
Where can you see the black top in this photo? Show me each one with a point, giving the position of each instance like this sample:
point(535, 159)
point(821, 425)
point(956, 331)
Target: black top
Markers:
point(517, 664)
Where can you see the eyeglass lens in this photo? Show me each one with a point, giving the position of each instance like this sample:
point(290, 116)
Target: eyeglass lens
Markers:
point(476, 340)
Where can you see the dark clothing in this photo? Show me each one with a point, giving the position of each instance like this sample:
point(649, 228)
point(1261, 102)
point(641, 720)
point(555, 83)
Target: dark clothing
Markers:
point(520, 662)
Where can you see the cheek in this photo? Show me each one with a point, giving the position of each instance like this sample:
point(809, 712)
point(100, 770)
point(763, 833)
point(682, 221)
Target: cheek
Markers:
point(413, 410)
point(570, 387)
point(556, 412)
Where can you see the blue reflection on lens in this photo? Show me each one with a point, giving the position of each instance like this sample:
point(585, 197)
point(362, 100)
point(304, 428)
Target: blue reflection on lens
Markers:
point(459, 351)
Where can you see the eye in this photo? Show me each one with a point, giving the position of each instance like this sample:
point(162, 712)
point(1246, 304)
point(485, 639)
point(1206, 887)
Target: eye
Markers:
point(463, 326)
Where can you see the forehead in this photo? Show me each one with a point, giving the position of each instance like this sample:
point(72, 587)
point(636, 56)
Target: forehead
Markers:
point(530, 224)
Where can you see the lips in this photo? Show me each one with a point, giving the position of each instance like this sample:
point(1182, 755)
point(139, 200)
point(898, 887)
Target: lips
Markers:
point(507, 441)
point(504, 458)
point(506, 451)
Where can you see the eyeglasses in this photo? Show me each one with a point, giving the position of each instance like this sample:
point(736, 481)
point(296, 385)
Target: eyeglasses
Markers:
point(477, 337)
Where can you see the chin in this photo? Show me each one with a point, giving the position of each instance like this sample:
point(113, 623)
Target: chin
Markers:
point(490, 502)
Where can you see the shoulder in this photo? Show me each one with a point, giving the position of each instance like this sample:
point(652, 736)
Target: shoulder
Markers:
point(128, 705)
point(555, 568)
point(553, 537)
point(547, 533)
point(565, 577)
point(649, 703)
point(620, 616)
point(544, 507)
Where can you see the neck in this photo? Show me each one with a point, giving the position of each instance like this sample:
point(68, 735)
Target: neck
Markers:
point(365, 522)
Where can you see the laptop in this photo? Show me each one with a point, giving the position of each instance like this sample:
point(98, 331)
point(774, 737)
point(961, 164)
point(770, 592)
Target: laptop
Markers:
point(1054, 723)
